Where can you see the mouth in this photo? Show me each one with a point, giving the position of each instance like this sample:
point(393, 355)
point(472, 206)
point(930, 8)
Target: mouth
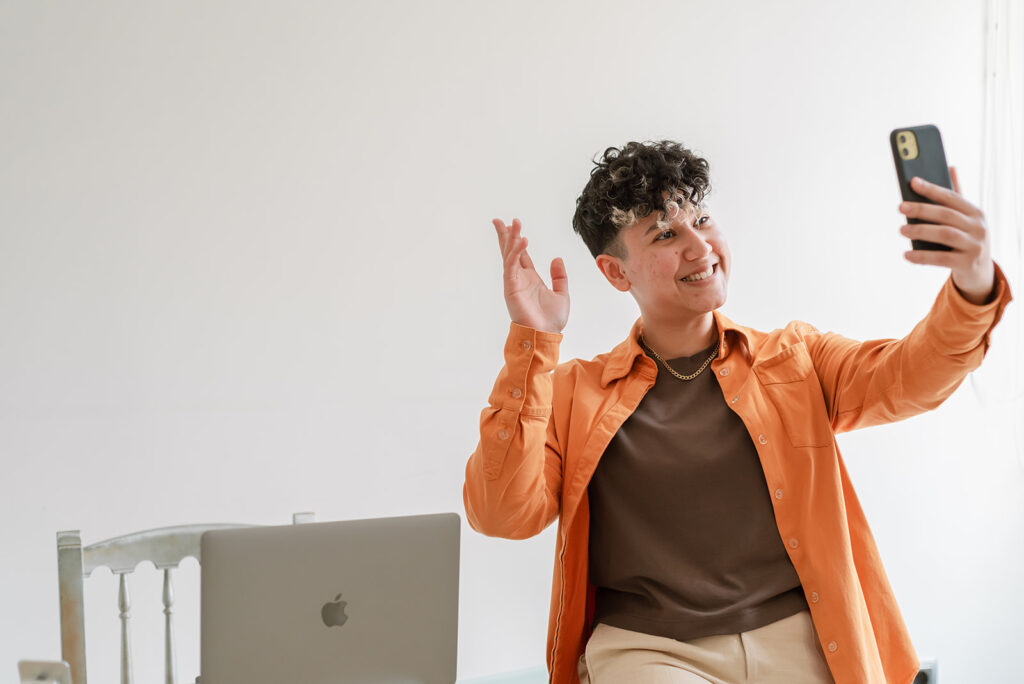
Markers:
point(702, 276)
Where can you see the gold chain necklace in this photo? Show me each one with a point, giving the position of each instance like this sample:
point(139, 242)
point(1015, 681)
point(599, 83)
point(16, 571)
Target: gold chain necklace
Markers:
point(671, 370)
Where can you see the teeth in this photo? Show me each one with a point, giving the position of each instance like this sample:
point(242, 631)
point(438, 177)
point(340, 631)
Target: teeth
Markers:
point(700, 276)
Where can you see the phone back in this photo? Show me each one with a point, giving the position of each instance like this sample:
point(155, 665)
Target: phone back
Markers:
point(917, 151)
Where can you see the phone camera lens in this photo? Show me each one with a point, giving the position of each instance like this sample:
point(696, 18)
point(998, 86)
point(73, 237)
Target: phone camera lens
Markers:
point(903, 138)
point(906, 152)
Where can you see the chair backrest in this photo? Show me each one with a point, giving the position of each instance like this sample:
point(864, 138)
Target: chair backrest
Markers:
point(165, 547)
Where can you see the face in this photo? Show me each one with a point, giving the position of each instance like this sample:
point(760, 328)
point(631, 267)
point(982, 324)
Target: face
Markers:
point(663, 248)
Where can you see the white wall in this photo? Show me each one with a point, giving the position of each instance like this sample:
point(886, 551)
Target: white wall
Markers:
point(247, 268)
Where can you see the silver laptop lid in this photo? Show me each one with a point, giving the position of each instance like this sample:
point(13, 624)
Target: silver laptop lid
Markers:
point(363, 601)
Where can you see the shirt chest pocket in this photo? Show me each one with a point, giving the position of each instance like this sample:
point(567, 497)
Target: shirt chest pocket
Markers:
point(790, 383)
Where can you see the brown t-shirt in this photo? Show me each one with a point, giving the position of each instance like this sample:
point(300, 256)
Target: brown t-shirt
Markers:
point(683, 539)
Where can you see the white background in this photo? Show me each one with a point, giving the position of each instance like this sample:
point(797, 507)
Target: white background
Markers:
point(247, 269)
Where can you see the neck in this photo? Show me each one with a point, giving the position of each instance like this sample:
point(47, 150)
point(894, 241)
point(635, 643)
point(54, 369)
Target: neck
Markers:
point(673, 339)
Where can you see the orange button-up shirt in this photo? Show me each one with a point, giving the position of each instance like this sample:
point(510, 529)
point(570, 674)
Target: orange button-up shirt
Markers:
point(547, 424)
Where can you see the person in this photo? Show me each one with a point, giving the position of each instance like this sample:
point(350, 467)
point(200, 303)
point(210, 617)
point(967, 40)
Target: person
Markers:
point(707, 527)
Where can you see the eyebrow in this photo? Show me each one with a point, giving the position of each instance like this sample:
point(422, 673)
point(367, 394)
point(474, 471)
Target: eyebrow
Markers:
point(654, 226)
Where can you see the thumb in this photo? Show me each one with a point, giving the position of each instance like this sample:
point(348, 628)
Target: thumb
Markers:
point(559, 278)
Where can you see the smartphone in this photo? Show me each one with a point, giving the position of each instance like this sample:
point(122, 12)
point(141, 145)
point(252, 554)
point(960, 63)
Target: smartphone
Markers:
point(917, 151)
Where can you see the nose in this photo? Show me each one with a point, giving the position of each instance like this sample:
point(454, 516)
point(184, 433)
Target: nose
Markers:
point(695, 247)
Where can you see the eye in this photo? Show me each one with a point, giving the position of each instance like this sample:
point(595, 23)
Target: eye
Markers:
point(703, 219)
point(663, 234)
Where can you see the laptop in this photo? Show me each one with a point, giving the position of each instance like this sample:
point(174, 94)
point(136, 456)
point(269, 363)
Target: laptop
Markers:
point(354, 602)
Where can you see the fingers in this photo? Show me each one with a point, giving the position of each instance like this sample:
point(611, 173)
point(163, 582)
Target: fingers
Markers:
point(500, 229)
point(933, 213)
point(504, 230)
point(515, 252)
point(943, 196)
point(515, 258)
point(956, 181)
point(507, 235)
point(524, 259)
point(944, 235)
point(559, 278)
point(933, 258)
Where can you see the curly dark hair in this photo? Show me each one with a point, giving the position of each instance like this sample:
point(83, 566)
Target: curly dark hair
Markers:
point(629, 183)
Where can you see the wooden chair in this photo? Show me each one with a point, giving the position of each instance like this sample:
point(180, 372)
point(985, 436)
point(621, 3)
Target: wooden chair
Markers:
point(165, 547)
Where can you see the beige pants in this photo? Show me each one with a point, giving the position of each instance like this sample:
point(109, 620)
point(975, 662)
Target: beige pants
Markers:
point(783, 652)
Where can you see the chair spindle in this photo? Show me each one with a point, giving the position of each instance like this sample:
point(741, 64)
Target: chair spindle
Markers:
point(124, 604)
point(169, 666)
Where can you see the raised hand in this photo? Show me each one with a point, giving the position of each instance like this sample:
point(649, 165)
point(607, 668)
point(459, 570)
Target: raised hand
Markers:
point(955, 222)
point(530, 303)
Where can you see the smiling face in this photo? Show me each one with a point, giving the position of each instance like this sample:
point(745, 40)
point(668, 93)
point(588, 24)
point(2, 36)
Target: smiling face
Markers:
point(662, 251)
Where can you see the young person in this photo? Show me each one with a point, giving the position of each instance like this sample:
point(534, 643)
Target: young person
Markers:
point(707, 527)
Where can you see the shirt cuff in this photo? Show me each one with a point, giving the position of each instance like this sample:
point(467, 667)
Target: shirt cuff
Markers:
point(957, 326)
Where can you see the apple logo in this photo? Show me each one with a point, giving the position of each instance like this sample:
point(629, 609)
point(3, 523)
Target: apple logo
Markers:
point(333, 613)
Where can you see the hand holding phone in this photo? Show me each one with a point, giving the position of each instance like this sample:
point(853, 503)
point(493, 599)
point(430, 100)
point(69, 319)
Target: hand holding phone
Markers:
point(937, 214)
point(918, 151)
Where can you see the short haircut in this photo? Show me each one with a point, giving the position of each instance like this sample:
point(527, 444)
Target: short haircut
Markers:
point(628, 184)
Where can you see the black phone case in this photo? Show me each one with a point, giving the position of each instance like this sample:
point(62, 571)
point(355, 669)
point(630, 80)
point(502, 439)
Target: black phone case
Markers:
point(930, 164)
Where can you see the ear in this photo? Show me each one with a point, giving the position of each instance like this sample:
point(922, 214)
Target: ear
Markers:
point(613, 269)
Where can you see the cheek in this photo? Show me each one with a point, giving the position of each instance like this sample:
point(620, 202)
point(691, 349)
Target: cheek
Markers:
point(664, 266)
point(722, 248)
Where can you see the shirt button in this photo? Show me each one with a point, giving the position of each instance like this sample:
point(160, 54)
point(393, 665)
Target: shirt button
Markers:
point(527, 344)
point(762, 439)
point(724, 371)
point(814, 597)
point(793, 543)
point(517, 393)
point(778, 493)
point(502, 434)
point(832, 647)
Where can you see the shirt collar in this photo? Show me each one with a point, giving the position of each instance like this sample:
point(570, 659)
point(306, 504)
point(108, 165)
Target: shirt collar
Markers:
point(624, 355)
